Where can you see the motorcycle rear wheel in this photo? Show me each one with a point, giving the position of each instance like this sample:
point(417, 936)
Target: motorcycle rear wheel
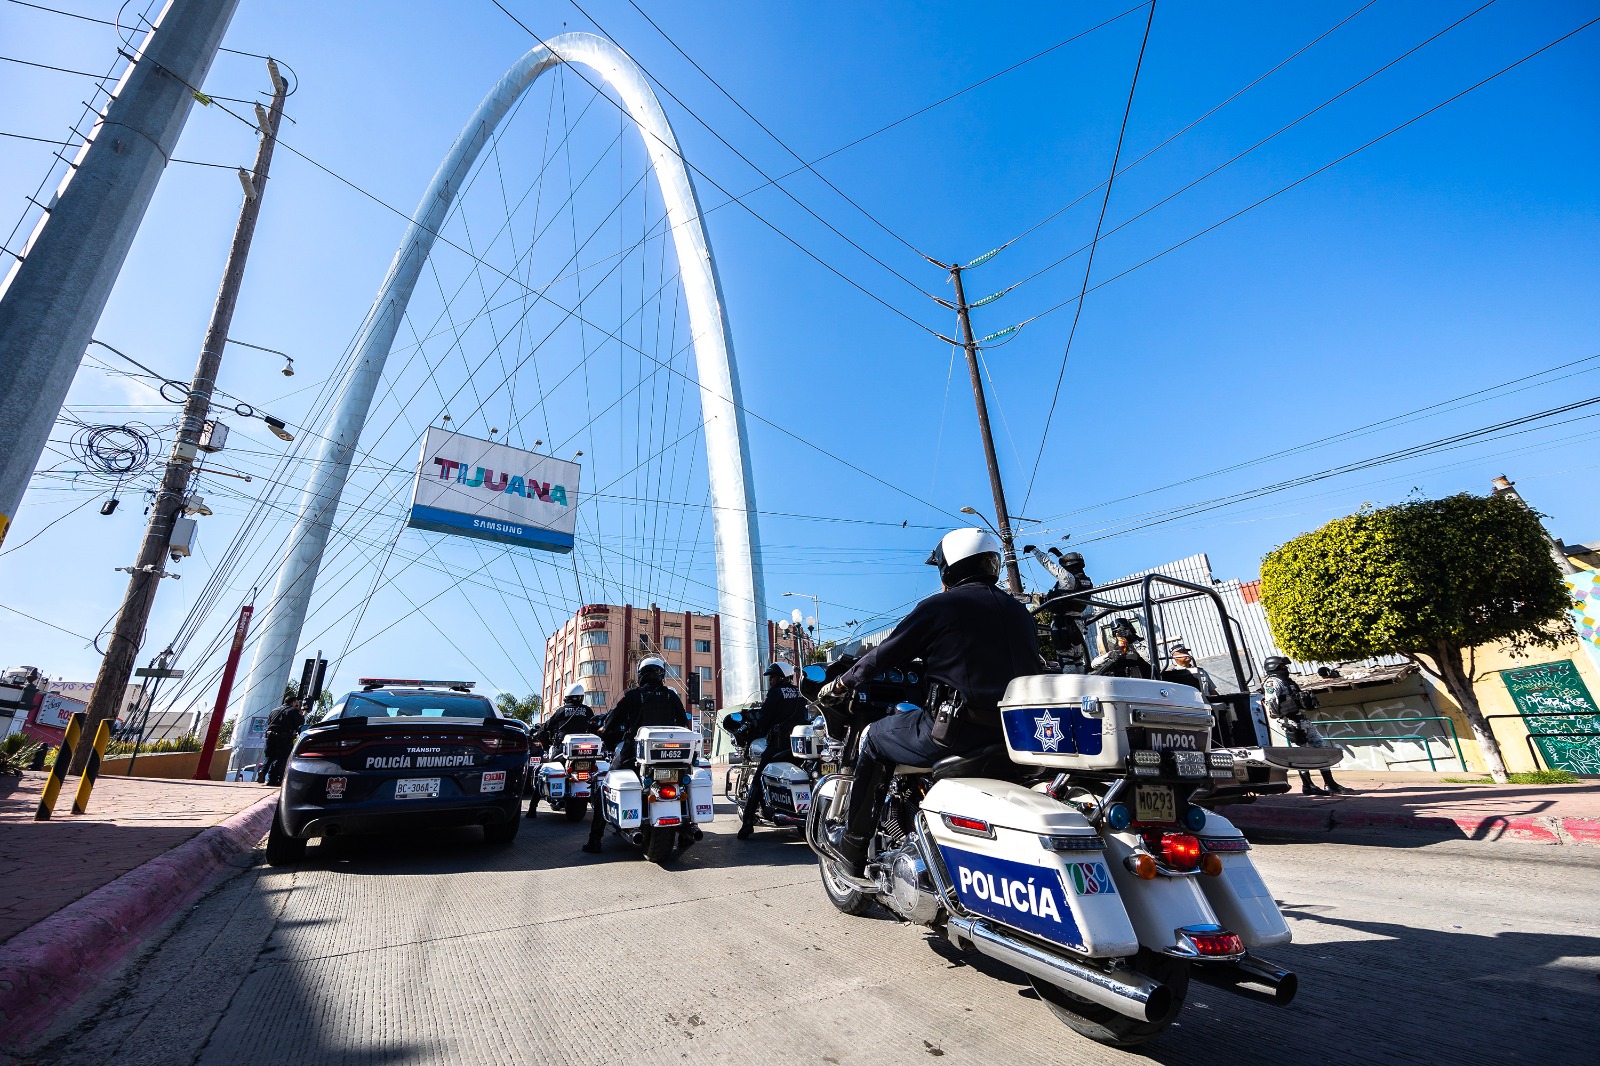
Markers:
point(576, 808)
point(658, 845)
point(1104, 1025)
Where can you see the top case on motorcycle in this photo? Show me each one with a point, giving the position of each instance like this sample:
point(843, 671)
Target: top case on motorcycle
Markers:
point(1005, 874)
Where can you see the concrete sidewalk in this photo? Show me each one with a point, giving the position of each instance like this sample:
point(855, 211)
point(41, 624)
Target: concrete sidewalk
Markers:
point(79, 893)
point(1535, 814)
point(44, 866)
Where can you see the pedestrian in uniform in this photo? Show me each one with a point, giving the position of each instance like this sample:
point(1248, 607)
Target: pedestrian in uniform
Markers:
point(1286, 701)
point(283, 729)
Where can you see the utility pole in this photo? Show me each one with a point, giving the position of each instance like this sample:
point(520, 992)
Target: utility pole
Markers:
point(51, 300)
point(1002, 516)
point(146, 575)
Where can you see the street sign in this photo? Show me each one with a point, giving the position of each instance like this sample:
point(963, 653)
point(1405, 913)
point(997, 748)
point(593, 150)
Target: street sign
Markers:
point(476, 488)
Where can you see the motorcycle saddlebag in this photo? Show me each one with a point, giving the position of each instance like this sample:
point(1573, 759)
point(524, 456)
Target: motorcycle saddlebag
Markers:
point(622, 798)
point(991, 838)
point(1241, 899)
point(701, 808)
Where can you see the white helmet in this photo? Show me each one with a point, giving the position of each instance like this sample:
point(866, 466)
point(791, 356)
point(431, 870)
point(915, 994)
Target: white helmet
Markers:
point(779, 668)
point(575, 692)
point(965, 553)
point(652, 663)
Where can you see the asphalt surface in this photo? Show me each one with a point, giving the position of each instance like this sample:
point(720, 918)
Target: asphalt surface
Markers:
point(440, 950)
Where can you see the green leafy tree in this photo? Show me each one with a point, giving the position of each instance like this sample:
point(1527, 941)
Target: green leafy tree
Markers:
point(528, 708)
point(1430, 580)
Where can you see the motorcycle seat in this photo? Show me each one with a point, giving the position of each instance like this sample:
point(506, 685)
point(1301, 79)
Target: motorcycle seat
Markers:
point(969, 765)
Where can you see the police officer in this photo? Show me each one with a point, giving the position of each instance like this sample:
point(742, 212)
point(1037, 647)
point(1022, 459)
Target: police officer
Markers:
point(1183, 660)
point(780, 712)
point(1123, 660)
point(283, 729)
point(1067, 602)
point(1286, 701)
point(573, 716)
point(973, 639)
point(650, 703)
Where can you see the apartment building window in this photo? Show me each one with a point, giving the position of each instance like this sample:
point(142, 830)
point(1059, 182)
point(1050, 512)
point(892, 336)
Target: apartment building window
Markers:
point(589, 638)
point(672, 643)
point(705, 672)
point(595, 697)
point(592, 668)
point(702, 646)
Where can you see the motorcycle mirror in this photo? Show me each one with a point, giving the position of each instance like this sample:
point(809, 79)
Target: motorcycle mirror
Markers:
point(816, 672)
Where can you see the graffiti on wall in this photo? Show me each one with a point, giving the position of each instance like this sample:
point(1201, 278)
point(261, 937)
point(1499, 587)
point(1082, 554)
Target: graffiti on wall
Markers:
point(1557, 689)
point(1393, 734)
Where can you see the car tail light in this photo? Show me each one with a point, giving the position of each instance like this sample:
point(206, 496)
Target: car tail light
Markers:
point(1181, 851)
point(327, 748)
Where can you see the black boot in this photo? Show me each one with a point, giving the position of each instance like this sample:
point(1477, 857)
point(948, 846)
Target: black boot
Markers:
point(1333, 786)
point(861, 821)
point(1308, 788)
point(533, 807)
point(744, 831)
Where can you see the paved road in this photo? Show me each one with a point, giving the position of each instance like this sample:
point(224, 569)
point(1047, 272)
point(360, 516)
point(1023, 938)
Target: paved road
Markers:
point(438, 950)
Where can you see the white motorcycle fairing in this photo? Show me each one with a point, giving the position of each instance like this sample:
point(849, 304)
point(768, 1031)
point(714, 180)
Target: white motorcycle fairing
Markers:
point(622, 794)
point(553, 780)
point(1239, 896)
point(1020, 858)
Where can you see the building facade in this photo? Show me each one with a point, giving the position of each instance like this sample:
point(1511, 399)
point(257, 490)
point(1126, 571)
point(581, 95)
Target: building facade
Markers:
point(602, 643)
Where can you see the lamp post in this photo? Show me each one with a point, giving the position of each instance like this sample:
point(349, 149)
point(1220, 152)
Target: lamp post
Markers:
point(816, 614)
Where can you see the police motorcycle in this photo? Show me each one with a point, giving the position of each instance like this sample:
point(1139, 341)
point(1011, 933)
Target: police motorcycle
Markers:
point(661, 806)
point(567, 780)
point(786, 784)
point(1077, 850)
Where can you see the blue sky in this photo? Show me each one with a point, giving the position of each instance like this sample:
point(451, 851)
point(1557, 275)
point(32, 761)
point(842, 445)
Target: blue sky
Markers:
point(1451, 257)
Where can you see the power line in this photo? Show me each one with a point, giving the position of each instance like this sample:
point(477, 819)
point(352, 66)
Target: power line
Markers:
point(1105, 202)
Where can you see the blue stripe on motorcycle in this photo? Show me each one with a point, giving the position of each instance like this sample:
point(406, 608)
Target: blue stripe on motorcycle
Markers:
point(1030, 898)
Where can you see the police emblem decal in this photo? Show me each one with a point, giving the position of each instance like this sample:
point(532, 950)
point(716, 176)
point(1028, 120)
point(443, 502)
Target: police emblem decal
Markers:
point(1047, 731)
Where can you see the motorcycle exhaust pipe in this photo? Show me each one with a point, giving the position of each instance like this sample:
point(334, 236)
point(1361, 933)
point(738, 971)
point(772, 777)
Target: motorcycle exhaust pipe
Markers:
point(1130, 994)
point(1251, 977)
point(637, 837)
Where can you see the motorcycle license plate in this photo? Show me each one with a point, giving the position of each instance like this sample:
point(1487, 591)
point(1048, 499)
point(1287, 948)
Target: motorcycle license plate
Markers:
point(829, 768)
point(417, 788)
point(1154, 803)
point(582, 764)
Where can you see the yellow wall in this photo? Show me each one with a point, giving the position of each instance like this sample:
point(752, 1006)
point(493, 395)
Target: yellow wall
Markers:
point(179, 765)
point(1495, 698)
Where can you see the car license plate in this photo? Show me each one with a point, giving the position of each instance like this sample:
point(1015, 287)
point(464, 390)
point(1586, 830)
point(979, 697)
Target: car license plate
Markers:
point(416, 788)
point(1154, 803)
point(493, 781)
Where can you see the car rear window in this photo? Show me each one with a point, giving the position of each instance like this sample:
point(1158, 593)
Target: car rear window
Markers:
point(416, 705)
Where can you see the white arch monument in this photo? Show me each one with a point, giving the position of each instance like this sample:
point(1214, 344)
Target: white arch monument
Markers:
point(741, 596)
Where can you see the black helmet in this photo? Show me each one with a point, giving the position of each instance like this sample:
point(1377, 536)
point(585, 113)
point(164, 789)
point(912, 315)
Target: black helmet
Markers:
point(1124, 628)
point(1275, 664)
point(966, 554)
point(1073, 561)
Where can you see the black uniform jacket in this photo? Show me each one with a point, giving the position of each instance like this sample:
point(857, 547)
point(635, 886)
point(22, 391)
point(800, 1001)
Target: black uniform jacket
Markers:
point(283, 726)
point(780, 712)
point(975, 638)
point(566, 721)
point(654, 705)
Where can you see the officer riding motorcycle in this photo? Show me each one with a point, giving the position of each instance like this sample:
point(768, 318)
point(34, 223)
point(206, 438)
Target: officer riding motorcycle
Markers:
point(572, 717)
point(973, 638)
point(780, 712)
point(649, 703)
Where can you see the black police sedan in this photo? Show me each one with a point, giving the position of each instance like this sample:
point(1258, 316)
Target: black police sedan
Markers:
point(402, 754)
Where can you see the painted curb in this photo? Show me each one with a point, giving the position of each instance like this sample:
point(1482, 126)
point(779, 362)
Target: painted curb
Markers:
point(49, 967)
point(1521, 829)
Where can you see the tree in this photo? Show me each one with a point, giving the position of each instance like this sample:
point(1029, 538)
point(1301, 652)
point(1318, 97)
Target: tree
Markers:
point(528, 709)
point(1430, 580)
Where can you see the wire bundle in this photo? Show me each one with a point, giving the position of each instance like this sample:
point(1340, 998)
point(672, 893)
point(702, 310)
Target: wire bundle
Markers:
point(118, 452)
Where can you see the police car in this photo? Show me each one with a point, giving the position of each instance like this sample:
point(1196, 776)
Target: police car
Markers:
point(402, 754)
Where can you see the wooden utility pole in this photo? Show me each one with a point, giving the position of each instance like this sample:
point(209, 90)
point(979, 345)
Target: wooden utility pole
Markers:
point(146, 574)
point(1002, 516)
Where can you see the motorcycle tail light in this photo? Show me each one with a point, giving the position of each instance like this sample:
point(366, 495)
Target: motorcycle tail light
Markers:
point(668, 792)
point(1218, 943)
point(581, 775)
point(1141, 866)
point(1211, 865)
point(666, 821)
point(1181, 851)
